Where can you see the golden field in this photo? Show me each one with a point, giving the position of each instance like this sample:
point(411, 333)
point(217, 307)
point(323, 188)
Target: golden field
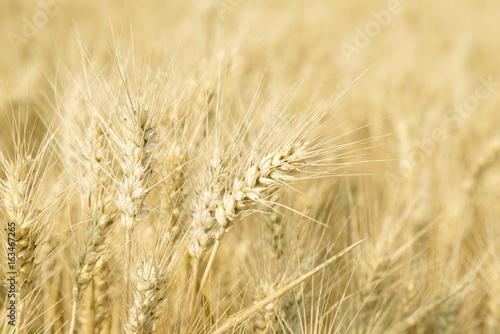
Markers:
point(197, 166)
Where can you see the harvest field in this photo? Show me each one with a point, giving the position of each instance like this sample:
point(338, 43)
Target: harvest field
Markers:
point(230, 166)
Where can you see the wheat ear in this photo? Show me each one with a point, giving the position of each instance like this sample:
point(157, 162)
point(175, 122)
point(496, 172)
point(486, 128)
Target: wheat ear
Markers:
point(137, 148)
point(139, 144)
point(203, 219)
point(101, 215)
point(267, 319)
point(174, 198)
point(28, 211)
point(485, 161)
point(218, 215)
point(271, 173)
point(274, 234)
point(18, 193)
point(147, 298)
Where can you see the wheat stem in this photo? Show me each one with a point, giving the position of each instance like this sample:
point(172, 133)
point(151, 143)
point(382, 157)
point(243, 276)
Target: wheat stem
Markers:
point(193, 288)
point(73, 316)
point(204, 279)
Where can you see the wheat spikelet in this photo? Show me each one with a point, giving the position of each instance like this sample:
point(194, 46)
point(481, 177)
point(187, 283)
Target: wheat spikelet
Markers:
point(136, 150)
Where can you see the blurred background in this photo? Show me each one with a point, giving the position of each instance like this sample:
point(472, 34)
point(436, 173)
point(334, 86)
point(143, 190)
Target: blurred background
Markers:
point(423, 57)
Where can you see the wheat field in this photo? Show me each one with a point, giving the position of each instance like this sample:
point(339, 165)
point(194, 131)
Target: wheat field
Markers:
point(230, 166)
